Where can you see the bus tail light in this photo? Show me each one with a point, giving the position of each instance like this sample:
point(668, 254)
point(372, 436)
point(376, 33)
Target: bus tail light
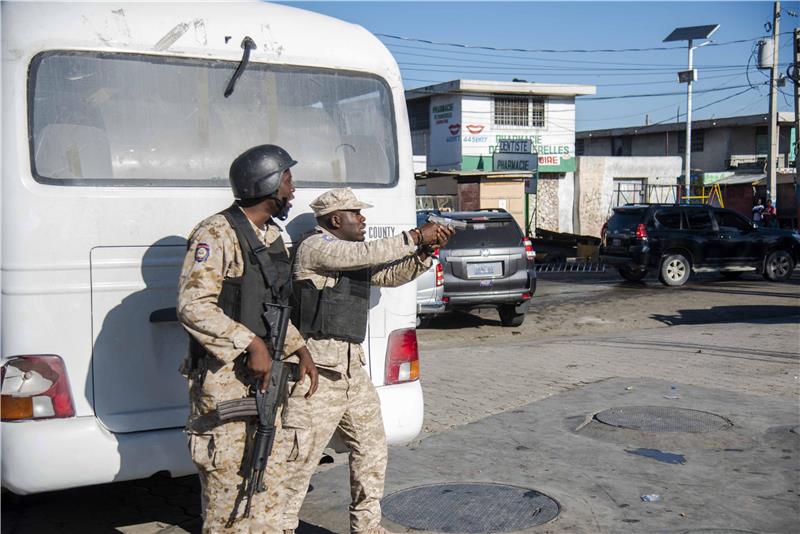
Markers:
point(402, 357)
point(35, 387)
point(439, 275)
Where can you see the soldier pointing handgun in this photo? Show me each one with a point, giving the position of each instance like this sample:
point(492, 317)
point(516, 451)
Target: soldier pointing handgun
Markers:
point(237, 266)
point(333, 271)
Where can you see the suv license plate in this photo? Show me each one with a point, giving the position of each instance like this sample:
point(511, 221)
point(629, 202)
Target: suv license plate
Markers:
point(485, 269)
point(615, 242)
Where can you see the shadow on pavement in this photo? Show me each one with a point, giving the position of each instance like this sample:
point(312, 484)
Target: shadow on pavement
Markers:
point(731, 314)
point(158, 501)
point(459, 320)
point(307, 528)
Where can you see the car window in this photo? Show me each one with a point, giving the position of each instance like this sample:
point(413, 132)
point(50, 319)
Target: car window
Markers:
point(699, 220)
point(502, 233)
point(728, 219)
point(669, 219)
point(625, 220)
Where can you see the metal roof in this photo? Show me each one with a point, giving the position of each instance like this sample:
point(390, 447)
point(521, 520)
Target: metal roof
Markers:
point(784, 117)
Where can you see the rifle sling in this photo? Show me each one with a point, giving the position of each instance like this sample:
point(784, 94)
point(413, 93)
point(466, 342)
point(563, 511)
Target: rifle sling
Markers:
point(259, 250)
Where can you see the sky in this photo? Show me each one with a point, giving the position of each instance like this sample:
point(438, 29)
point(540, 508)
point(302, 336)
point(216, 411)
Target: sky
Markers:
point(729, 84)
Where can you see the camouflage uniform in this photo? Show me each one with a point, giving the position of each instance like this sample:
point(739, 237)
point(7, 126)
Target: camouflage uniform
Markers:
point(345, 398)
point(214, 254)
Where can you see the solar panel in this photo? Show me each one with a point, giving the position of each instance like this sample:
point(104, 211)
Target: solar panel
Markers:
point(691, 32)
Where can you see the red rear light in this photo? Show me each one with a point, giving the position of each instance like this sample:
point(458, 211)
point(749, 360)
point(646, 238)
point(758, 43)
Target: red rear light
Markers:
point(445, 299)
point(526, 296)
point(435, 253)
point(402, 357)
point(439, 275)
point(529, 252)
point(35, 387)
point(641, 231)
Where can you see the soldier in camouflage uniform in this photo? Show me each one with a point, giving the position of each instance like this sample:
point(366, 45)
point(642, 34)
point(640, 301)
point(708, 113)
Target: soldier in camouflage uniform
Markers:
point(227, 357)
point(333, 270)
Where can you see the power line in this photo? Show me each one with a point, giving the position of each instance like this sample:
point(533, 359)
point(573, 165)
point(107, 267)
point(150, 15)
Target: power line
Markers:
point(558, 51)
point(524, 60)
point(528, 73)
point(501, 65)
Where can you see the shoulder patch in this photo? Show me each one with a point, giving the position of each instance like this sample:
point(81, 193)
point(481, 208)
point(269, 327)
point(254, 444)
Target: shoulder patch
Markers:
point(202, 252)
point(328, 238)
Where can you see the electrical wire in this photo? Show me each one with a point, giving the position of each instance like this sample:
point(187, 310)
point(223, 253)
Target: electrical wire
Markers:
point(557, 51)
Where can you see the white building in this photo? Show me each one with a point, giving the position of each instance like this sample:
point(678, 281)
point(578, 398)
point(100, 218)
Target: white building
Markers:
point(458, 126)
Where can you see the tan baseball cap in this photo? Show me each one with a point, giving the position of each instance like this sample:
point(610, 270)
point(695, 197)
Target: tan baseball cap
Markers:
point(342, 198)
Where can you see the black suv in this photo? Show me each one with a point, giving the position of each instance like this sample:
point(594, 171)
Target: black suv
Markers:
point(490, 264)
point(679, 239)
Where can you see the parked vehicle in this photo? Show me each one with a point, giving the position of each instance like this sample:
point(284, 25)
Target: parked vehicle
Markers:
point(490, 264)
point(676, 240)
point(117, 137)
point(430, 286)
point(430, 290)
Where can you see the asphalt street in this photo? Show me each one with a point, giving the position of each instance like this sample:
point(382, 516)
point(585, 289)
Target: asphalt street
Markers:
point(518, 408)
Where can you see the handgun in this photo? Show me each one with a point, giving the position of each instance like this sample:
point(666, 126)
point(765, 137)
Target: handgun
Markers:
point(444, 221)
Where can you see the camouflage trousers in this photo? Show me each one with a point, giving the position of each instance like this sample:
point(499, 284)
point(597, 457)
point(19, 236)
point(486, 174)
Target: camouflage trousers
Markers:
point(218, 455)
point(348, 403)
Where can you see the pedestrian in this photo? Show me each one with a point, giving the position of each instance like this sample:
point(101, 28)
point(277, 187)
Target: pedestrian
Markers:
point(333, 271)
point(770, 216)
point(757, 211)
point(220, 300)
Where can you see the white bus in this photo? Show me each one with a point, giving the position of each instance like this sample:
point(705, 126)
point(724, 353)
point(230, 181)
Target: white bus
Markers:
point(116, 141)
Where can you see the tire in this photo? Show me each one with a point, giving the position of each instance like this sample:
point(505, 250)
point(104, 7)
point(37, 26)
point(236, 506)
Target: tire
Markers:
point(632, 275)
point(731, 275)
point(423, 321)
point(778, 266)
point(674, 270)
point(509, 317)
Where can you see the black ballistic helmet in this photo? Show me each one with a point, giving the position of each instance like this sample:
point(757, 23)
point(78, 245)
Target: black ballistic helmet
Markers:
point(257, 172)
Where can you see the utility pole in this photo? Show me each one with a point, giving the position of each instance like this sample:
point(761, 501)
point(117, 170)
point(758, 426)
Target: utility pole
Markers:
point(772, 162)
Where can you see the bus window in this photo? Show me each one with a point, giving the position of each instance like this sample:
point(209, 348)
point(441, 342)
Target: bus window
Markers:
point(138, 120)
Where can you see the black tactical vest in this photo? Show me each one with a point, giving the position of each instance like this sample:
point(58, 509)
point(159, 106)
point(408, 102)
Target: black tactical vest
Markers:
point(242, 298)
point(338, 312)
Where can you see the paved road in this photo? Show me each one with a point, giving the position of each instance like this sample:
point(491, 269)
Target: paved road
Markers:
point(740, 338)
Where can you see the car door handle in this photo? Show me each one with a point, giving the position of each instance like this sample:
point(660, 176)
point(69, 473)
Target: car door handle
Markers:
point(164, 315)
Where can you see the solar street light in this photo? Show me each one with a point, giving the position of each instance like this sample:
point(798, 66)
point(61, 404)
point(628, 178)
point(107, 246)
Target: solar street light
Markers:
point(690, 34)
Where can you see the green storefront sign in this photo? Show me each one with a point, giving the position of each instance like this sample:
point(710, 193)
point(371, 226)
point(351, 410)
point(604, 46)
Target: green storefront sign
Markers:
point(547, 163)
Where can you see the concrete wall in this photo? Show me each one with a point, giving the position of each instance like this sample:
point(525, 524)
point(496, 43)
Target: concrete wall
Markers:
point(594, 184)
point(504, 194)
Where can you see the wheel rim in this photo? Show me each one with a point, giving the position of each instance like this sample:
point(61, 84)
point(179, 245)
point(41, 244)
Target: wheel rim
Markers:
point(779, 265)
point(676, 270)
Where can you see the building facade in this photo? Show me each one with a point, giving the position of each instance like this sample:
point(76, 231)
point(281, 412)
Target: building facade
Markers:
point(458, 126)
point(731, 152)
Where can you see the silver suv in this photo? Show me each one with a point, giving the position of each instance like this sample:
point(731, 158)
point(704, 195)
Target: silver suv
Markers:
point(490, 264)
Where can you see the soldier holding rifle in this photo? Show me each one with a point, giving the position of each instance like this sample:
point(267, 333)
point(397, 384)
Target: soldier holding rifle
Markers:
point(235, 281)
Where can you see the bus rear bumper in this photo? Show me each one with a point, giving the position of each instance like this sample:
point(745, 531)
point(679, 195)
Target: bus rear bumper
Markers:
point(57, 454)
point(402, 409)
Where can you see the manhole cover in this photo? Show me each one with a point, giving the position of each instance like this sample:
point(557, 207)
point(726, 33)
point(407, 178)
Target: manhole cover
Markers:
point(662, 419)
point(469, 508)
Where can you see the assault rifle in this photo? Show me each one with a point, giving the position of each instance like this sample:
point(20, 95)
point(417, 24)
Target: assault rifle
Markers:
point(265, 405)
point(445, 221)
